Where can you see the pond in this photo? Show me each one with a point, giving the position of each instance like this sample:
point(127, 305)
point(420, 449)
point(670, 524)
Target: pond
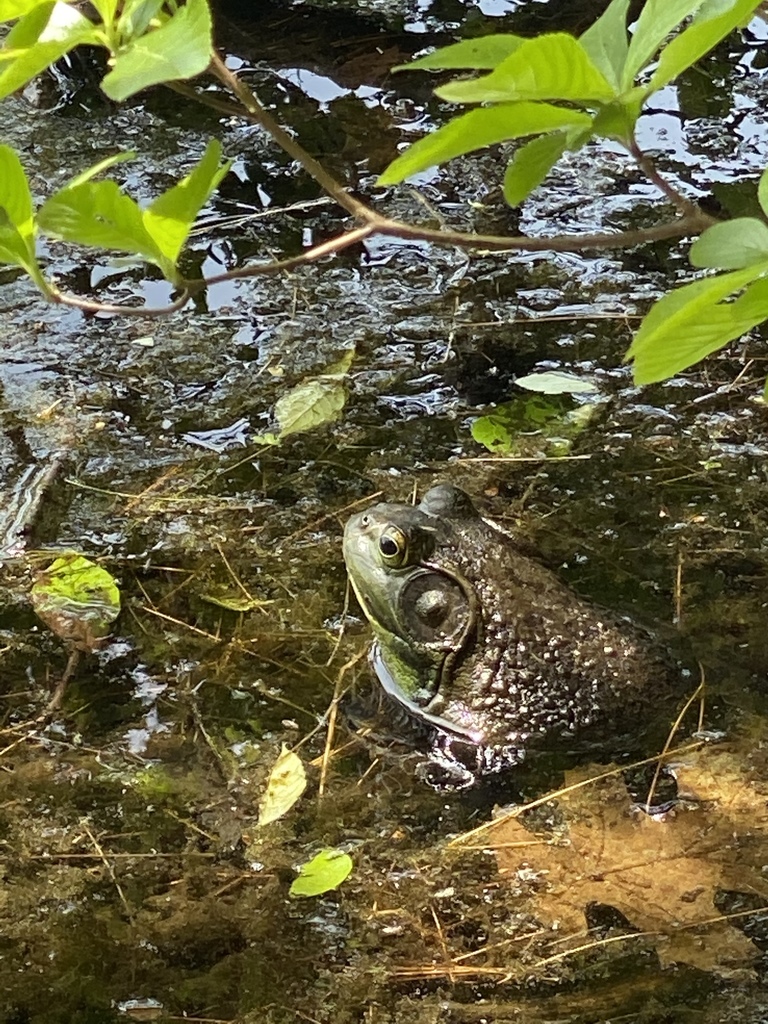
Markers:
point(137, 881)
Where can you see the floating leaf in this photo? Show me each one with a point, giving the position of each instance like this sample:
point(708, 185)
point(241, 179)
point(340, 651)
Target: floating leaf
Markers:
point(287, 781)
point(324, 872)
point(77, 599)
point(556, 382)
point(313, 403)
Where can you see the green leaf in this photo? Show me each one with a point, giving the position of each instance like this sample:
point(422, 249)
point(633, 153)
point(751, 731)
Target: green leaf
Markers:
point(180, 49)
point(98, 213)
point(617, 120)
point(556, 382)
point(10, 10)
point(170, 217)
point(698, 39)
point(480, 128)
point(136, 16)
point(102, 165)
point(311, 404)
point(550, 67)
point(606, 43)
point(40, 38)
point(106, 10)
point(287, 781)
point(17, 220)
point(77, 600)
point(531, 164)
point(484, 52)
point(762, 191)
point(326, 871)
point(732, 245)
point(657, 20)
point(694, 321)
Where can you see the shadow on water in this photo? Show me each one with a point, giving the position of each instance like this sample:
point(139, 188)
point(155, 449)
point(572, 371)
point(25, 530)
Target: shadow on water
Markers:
point(137, 883)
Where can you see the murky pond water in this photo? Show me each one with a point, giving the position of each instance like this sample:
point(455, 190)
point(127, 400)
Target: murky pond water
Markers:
point(136, 880)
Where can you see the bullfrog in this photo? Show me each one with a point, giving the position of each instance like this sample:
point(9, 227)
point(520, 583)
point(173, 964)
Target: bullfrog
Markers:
point(483, 649)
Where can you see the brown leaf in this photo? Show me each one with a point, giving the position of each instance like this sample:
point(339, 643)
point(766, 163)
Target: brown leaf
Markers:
point(661, 873)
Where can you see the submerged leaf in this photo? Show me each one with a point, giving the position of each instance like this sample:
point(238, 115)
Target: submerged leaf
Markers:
point(313, 403)
point(664, 874)
point(287, 781)
point(324, 872)
point(77, 600)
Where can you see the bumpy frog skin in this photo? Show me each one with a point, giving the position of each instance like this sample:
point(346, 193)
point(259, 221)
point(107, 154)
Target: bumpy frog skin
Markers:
point(484, 645)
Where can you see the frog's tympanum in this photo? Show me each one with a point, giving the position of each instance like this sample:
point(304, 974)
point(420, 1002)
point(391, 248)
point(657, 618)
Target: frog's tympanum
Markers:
point(486, 649)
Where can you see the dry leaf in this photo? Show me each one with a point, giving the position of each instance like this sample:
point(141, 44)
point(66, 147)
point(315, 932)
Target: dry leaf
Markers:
point(287, 781)
point(662, 874)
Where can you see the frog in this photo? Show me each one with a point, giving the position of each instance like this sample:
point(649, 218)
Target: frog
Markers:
point(485, 652)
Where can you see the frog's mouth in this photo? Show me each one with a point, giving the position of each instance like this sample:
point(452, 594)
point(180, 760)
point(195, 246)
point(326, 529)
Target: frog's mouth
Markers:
point(417, 711)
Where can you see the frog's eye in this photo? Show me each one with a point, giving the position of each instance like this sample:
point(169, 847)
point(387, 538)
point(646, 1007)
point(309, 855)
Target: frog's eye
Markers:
point(393, 546)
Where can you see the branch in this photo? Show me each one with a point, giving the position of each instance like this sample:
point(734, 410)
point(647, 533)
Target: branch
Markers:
point(647, 166)
point(88, 306)
point(259, 115)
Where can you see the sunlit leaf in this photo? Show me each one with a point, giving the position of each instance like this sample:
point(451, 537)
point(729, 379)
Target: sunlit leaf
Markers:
point(10, 10)
point(326, 871)
point(531, 164)
point(696, 40)
point(98, 213)
point(17, 222)
point(731, 245)
point(550, 67)
point(657, 20)
point(180, 49)
point(40, 38)
point(287, 781)
point(606, 41)
point(170, 217)
point(479, 128)
point(106, 9)
point(762, 191)
point(101, 166)
point(556, 382)
point(484, 52)
point(77, 600)
point(694, 321)
point(136, 15)
point(311, 404)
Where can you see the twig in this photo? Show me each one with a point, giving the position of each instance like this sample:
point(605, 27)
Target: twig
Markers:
point(110, 869)
point(698, 692)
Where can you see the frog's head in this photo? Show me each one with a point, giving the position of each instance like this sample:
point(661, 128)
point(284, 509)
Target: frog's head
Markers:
point(423, 609)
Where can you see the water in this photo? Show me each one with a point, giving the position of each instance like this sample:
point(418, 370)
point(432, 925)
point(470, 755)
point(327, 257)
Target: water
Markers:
point(136, 879)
